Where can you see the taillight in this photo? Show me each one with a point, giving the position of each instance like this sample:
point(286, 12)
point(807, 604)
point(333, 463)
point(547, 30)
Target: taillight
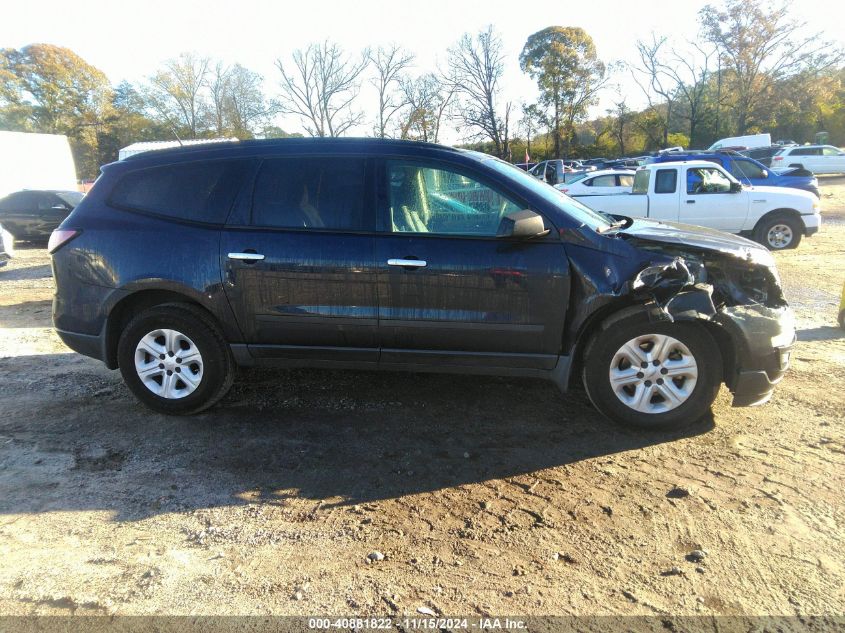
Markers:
point(778, 158)
point(59, 238)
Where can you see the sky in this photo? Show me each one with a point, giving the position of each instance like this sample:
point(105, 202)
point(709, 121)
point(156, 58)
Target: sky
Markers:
point(128, 41)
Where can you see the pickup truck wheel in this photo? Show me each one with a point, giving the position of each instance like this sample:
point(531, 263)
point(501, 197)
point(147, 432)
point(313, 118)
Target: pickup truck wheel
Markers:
point(779, 232)
point(652, 375)
point(174, 359)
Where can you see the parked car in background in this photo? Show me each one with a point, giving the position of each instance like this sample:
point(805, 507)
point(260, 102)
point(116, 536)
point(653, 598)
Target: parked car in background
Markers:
point(5, 246)
point(33, 215)
point(819, 159)
point(601, 182)
point(525, 166)
point(557, 171)
point(785, 142)
point(393, 255)
point(762, 155)
point(751, 172)
point(704, 193)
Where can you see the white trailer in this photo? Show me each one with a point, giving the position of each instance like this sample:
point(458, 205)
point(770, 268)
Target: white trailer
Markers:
point(35, 161)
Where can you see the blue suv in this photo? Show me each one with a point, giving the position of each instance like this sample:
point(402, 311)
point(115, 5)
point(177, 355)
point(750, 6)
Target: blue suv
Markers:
point(181, 265)
point(747, 170)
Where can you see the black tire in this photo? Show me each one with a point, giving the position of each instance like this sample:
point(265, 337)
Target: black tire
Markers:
point(605, 343)
point(218, 366)
point(761, 232)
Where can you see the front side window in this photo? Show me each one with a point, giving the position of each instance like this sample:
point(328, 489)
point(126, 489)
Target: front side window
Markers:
point(428, 200)
point(626, 180)
point(539, 170)
point(641, 181)
point(198, 191)
point(707, 180)
point(831, 151)
point(310, 193)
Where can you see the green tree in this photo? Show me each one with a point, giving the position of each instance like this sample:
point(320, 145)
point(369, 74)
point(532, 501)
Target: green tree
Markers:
point(563, 62)
point(759, 45)
point(50, 89)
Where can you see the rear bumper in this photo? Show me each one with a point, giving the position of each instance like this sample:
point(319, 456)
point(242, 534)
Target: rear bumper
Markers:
point(93, 345)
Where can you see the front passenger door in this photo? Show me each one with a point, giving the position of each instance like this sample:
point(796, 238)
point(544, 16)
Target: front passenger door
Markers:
point(451, 292)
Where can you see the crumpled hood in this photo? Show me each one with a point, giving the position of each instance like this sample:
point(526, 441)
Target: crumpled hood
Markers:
point(700, 237)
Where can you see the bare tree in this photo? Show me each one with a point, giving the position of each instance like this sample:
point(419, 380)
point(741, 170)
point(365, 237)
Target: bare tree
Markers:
point(679, 78)
point(475, 68)
point(651, 77)
point(390, 64)
point(247, 109)
point(219, 88)
point(320, 88)
point(427, 99)
point(175, 92)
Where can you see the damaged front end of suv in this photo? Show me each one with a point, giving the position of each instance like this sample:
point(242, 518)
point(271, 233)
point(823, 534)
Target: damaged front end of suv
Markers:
point(728, 285)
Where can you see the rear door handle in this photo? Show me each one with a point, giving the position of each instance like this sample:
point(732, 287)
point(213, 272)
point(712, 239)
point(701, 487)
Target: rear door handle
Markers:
point(411, 263)
point(247, 257)
point(690, 201)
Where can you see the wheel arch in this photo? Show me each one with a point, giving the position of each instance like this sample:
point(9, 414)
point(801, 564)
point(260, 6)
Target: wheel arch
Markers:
point(783, 212)
point(615, 313)
point(138, 301)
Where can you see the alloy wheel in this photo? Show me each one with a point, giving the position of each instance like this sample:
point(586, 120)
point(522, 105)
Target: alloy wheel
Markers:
point(168, 363)
point(653, 373)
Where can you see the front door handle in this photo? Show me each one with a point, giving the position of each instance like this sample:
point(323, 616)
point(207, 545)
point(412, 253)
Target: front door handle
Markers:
point(690, 201)
point(409, 263)
point(247, 257)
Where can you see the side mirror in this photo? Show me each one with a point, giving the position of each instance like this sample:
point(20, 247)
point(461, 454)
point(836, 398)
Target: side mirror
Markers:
point(736, 187)
point(523, 224)
point(765, 173)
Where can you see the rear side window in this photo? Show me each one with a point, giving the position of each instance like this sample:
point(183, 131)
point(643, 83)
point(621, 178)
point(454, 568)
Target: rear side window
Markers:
point(197, 192)
point(666, 181)
point(603, 181)
point(312, 193)
point(625, 180)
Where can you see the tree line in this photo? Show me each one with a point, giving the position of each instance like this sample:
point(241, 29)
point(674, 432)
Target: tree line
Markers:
point(748, 70)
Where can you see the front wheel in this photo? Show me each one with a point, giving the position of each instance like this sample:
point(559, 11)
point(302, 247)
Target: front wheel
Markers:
point(174, 359)
point(779, 233)
point(652, 375)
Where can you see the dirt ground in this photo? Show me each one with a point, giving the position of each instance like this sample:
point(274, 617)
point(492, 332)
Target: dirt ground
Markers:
point(484, 495)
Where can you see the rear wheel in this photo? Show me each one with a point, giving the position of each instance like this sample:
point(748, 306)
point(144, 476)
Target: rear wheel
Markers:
point(652, 375)
point(174, 359)
point(779, 232)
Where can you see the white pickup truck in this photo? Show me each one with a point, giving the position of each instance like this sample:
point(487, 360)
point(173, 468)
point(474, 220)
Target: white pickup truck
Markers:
point(703, 193)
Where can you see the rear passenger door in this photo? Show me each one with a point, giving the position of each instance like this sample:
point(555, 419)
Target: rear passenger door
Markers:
point(299, 261)
point(450, 292)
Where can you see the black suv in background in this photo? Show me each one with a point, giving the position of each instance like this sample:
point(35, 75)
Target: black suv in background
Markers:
point(32, 215)
point(181, 264)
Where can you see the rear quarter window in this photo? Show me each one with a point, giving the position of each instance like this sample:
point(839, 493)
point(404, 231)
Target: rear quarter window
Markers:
point(666, 181)
point(196, 192)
